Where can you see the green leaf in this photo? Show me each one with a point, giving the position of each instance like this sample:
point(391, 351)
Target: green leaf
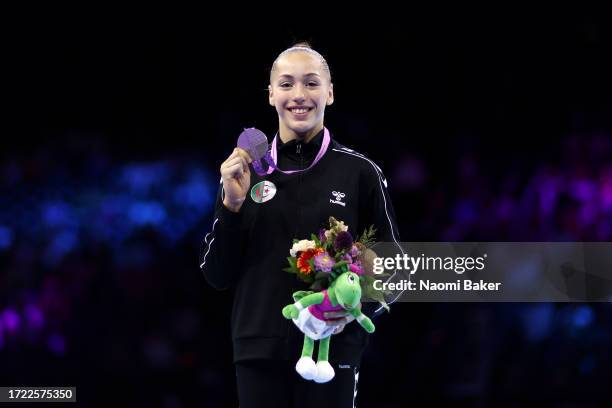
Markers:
point(339, 255)
point(340, 267)
point(367, 238)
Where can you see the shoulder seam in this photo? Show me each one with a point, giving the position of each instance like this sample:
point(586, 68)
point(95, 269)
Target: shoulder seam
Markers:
point(378, 170)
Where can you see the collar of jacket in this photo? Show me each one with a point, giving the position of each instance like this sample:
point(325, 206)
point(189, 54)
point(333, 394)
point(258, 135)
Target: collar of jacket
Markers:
point(298, 151)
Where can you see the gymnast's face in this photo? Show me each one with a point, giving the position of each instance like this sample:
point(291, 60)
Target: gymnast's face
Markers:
point(300, 89)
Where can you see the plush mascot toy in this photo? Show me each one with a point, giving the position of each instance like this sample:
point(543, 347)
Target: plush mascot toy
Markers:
point(343, 294)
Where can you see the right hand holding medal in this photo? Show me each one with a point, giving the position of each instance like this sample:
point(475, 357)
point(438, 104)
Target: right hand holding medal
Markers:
point(236, 178)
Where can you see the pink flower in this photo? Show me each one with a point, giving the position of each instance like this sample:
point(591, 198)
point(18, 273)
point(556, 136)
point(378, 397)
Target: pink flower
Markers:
point(356, 269)
point(324, 262)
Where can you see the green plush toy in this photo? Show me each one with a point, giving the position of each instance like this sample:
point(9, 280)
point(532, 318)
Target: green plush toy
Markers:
point(343, 294)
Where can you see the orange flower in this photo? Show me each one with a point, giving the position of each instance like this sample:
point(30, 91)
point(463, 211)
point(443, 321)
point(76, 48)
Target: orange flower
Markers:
point(302, 261)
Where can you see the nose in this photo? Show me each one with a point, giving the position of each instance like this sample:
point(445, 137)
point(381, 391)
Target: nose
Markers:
point(299, 94)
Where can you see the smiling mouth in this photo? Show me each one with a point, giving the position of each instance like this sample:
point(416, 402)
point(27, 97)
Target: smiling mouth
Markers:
point(302, 110)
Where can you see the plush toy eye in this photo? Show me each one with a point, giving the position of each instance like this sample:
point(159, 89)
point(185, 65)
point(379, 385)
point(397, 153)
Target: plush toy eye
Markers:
point(351, 279)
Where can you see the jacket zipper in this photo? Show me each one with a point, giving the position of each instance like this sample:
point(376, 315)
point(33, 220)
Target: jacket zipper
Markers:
point(298, 150)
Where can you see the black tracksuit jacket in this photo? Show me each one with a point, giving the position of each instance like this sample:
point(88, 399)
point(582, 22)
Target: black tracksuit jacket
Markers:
point(247, 251)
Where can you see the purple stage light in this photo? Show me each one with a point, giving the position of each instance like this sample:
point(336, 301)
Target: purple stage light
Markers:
point(583, 190)
point(56, 343)
point(11, 320)
point(409, 174)
point(33, 316)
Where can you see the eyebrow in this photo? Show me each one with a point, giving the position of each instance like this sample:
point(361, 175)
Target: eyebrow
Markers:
point(290, 76)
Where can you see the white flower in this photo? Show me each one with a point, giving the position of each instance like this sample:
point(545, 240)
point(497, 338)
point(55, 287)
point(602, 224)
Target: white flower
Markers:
point(337, 227)
point(341, 227)
point(301, 246)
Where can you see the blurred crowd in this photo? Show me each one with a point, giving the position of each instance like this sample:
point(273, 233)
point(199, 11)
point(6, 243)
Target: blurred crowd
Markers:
point(100, 285)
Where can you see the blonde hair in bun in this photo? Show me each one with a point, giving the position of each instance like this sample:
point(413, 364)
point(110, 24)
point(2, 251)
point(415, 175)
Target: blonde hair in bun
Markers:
point(302, 46)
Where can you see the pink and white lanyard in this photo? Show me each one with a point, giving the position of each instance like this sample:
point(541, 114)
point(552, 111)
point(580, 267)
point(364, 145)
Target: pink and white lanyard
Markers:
point(272, 157)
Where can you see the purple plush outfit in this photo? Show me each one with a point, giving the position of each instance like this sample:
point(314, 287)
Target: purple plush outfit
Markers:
point(318, 310)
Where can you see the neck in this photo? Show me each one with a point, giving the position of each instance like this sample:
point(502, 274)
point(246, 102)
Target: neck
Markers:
point(332, 296)
point(287, 134)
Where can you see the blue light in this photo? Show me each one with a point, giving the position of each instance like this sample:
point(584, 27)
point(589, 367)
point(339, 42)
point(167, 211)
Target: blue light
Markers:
point(147, 212)
point(198, 192)
point(583, 316)
point(65, 241)
point(537, 321)
point(142, 194)
point(140, 178)
point(6, 237)
point(57, 214)
point(192, 194)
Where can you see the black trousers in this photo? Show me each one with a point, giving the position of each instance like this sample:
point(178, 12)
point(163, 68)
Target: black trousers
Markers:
point(271, 384)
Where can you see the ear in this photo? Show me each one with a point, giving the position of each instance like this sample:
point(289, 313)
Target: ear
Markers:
point(270, 95)
point(330, 95)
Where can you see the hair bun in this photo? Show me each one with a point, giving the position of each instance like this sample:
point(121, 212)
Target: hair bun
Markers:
point(303, 44)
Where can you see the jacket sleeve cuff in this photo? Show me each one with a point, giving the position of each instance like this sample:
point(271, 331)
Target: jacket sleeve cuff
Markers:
point(229, 218)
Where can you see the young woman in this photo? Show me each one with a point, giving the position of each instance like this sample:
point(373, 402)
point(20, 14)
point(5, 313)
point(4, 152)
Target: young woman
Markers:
point(256, 220)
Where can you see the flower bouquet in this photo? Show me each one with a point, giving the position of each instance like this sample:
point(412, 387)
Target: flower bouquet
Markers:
point(338, 269)
point(332, 252)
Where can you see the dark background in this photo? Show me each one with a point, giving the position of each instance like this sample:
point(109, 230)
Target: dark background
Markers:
point(489, 126)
